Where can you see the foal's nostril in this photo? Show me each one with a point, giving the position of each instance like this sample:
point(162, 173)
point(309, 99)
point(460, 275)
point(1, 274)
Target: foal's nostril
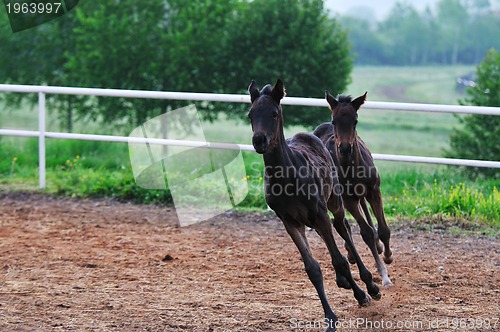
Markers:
point(259, 142)
point(258, 139)
point(345, 149)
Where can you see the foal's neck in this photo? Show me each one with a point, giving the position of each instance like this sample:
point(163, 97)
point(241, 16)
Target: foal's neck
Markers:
point(353, 160)
point(279, 153)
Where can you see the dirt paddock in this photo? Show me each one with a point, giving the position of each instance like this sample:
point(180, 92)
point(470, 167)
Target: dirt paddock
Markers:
point(88, 265)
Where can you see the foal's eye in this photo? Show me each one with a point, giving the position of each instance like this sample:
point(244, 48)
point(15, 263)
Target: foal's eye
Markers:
point(333, 121)
point(275, 115)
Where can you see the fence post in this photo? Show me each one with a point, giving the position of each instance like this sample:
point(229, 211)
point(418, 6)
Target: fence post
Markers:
point(41, 139)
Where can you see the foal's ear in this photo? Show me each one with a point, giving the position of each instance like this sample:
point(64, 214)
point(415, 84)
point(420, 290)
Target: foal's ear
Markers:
point(253, 89)
point(331, 100)
point(356, 103)
point(278, 91)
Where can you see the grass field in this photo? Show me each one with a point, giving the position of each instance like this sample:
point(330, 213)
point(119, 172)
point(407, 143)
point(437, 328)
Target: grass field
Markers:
point(411, 190)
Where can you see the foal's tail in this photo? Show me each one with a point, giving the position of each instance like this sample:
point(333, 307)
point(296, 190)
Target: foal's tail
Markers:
point(364, 207)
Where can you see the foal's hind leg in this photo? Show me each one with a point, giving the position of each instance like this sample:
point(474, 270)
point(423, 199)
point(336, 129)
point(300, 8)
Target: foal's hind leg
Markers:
point(369, 237)
point(297, 233)
point(380, 246)
point(374, 197)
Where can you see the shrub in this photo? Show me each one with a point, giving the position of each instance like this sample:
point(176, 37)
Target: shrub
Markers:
point(480, 136)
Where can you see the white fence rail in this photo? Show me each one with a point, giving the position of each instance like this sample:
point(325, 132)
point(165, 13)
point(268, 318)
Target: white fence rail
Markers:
point(232, 98)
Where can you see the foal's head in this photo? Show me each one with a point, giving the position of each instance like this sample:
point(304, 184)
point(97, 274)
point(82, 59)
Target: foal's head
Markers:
point(344, 118)
point(265, 115)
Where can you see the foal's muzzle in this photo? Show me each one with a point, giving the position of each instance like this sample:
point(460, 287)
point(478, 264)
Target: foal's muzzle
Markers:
point(345, 149)
point(260, 143)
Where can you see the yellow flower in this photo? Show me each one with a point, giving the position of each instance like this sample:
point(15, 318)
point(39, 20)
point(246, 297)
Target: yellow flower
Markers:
point(14, 159)
point(67, 161)
point(77, 157)
point(260, 178)
point(248, 176)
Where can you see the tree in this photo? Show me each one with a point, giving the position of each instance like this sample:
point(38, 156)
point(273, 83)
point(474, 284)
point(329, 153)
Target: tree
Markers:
point(158, 45)
point(406, 35)
point(484, 23)
point(480, 136)
point(367, 45)
point(39, 56)
point(426, 30)
point(453, 22)
point(292, 40)
point(455, 31)
point(177, 45)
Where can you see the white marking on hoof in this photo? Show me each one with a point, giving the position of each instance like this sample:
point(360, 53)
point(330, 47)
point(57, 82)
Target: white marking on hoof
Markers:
point(366, 302)
point(386, 282)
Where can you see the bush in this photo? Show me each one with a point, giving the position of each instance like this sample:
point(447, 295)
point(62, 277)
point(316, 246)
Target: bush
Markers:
point(75, 180)
point(480, 136)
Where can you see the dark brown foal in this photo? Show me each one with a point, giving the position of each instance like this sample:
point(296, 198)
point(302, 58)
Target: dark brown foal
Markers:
point(299, 184)
point(358, 176)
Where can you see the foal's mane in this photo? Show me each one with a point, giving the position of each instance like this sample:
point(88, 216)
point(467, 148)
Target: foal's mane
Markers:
point(344, 98)
point(266, 90)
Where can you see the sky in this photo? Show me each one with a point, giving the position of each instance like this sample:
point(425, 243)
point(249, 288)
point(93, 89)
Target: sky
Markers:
point(380, 8)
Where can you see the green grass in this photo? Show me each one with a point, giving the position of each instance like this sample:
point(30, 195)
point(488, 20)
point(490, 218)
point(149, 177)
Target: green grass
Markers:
point(436, 193)
point(441, 195)
point(422, 84)
point(97, 169)
point(402, 132)
point(408, 194)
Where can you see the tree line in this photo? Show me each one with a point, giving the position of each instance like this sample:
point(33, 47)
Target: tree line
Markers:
point(454, 32)
point(175, 45)
point(221, 45)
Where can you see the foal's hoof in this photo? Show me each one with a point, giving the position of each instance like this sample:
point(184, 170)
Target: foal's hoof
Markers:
point(377, 296)
point(365, 302)
point(388, 259)
point(375, 292)
point(330, 324)
point(350, 258)
point(386, 283)
point(330, 329)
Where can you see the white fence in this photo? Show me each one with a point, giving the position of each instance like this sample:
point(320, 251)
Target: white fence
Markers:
point(42, 134)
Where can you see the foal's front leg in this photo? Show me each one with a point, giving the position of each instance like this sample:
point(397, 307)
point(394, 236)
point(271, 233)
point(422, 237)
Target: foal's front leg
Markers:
point(342, 228)
point(312, 268)
point(339, 262)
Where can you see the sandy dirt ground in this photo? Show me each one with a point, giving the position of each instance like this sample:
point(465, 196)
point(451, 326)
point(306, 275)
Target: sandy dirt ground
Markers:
point(90, 265)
